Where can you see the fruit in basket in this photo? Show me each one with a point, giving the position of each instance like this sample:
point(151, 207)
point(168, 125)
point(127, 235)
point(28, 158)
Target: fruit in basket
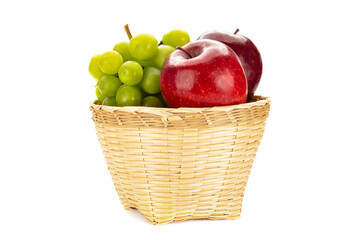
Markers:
point(123, 49)
point(110, 101)
point(160, 57)
point(159, 96)
point(204, 73)
point(246, 50)
point(109, 62)
point(143, 46)
point(145, 63)
point(130, 73)
point(94, 68)
point(99, 96)
point(128, 96)
point(176, 38)
point(151, 101)
point(151, 80)
point(108, 85)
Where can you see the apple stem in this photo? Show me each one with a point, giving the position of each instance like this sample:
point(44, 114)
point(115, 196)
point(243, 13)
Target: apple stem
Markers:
point(127, 30)
point(181, 49)
point(236, 31)
point(160, 43)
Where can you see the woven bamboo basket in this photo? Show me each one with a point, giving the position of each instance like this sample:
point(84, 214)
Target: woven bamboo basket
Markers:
point(175, 164)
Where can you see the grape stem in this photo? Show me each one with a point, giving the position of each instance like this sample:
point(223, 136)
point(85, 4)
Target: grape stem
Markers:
point(181, 49)
point(236, 31)
point(127, 30)
point(160, 43)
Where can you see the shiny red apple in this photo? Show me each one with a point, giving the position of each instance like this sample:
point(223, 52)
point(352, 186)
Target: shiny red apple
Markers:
point(246, 50)
point(203, 73)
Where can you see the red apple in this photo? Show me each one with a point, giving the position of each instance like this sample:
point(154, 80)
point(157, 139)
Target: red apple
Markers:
point(248, 53)
point(204, 73)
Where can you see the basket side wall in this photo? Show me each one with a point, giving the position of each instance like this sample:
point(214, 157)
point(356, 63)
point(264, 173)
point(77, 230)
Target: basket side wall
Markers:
point(174, 173)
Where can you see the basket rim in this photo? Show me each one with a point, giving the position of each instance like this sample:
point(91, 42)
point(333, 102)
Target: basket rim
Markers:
point(257, 100)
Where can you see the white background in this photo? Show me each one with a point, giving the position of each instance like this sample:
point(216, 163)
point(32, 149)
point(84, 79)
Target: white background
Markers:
point(54, 183)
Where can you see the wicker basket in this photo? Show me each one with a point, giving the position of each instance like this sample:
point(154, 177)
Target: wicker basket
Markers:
point(175, 164)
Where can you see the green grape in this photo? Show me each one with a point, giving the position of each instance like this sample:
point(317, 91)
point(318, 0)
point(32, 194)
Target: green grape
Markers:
point(130, 73)
point(128, 96)
point(151, 80)
point(110, 62)
point(145, 63)
point(99, 96)
point(143, 93)
point(160, 57)
point(151, 101)
point(143, 46)
point(123, 49)
point(94, 68)
point(159, 96)
point(176, 38)
point(108, 85)
point(110, 101)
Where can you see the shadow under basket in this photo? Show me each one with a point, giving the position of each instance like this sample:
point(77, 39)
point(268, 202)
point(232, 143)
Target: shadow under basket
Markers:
point(176, 164)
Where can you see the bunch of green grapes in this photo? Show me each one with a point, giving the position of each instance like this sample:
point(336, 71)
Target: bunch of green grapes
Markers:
point(129, 75)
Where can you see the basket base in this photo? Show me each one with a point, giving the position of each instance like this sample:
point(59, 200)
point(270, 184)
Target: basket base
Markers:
point(220, 213)
point(154, 221)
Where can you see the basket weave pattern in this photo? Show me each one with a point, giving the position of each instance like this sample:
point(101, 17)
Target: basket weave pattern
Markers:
point(180, 164)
